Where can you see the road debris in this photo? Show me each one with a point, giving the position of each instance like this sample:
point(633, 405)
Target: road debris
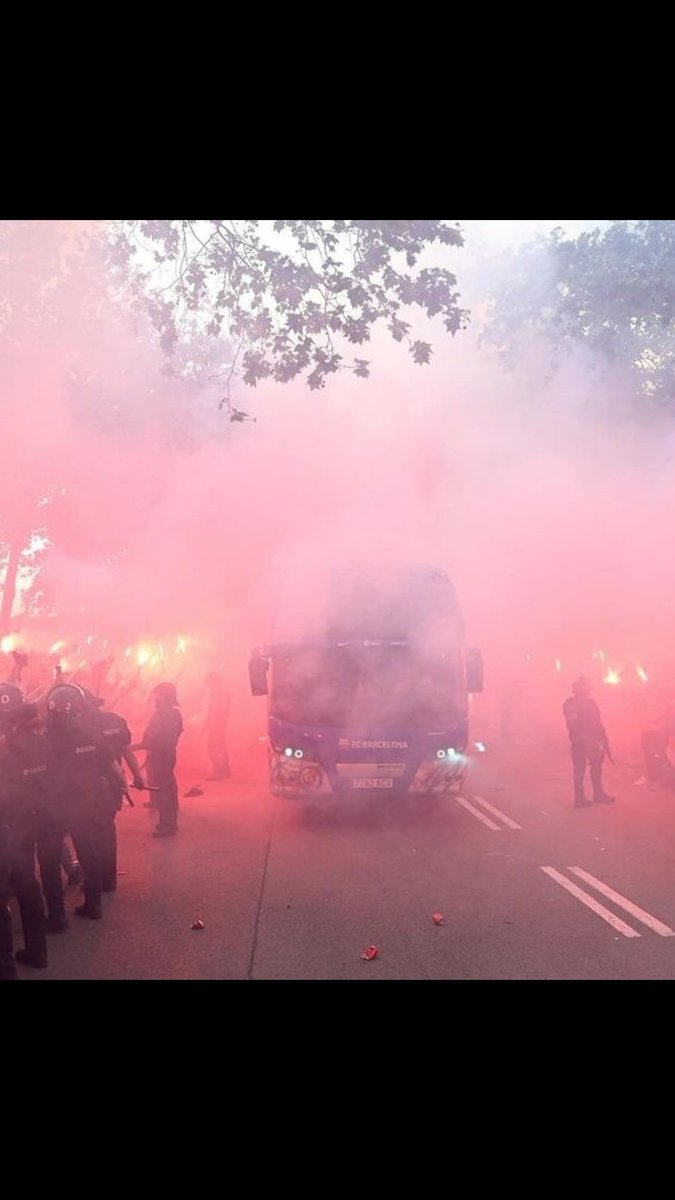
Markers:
point(370, 953)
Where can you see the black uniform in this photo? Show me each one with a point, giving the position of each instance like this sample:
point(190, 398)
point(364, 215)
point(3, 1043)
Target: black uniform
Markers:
point(53, 826)
point(81, 757)
point(160, 741)
point(23, 768)
point(117, 737)
point(588, 743)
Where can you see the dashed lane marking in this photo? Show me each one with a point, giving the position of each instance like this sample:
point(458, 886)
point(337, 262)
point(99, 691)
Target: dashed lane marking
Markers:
point(622, 902)
point(497, 812)
point(598, 909)
point(478, 815)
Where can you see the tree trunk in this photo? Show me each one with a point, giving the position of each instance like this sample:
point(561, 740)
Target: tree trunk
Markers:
point(9, 588)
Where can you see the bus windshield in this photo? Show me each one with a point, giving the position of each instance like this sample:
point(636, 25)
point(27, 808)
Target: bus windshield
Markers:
point(371, 685)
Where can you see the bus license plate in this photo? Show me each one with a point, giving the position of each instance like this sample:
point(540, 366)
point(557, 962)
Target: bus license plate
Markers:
point(372, 783)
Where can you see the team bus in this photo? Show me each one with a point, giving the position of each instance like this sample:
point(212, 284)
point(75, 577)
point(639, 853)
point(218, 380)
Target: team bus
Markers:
point(376, 697)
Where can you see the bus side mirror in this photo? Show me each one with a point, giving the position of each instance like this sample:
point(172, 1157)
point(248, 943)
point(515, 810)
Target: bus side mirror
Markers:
point(257, 673)
point(474, 670)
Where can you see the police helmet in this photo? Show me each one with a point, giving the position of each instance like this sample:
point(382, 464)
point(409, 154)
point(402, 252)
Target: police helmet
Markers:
point(67, 700)
point(94, 701)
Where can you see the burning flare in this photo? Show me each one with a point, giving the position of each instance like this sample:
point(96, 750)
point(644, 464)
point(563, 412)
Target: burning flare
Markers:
point(612, 676)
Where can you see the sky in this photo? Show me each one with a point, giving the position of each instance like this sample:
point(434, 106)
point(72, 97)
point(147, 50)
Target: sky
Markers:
point(512, 233)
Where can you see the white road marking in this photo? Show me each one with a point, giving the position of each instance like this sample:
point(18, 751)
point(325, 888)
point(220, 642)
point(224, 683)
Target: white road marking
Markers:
point(481, 817)
point(657, 926)
point(497, 812)
point(591, 903)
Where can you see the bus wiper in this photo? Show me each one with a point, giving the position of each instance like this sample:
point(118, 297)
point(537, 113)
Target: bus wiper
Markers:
point(366, 642)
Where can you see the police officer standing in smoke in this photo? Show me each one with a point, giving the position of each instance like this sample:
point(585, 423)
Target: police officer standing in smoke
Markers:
point(160, 741)
point(117, 736)
point(51, 822)
point(81, 757)
point(70, 864)
point(23, 766)
point(588, 742)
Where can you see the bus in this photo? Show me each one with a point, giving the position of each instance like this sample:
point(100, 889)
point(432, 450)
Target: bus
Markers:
point(374, 696)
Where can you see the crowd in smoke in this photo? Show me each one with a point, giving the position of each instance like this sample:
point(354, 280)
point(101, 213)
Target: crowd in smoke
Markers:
point(160, 519)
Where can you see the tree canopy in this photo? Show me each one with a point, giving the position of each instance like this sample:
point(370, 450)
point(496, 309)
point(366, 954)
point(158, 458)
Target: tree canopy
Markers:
point(286, 298)
point(611, 291)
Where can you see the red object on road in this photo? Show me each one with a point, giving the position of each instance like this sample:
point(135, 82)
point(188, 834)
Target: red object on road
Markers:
point(197, 924)
point(371, 952)
point(438, 919)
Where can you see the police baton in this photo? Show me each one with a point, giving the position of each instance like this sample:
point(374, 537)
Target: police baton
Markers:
point(137, 788)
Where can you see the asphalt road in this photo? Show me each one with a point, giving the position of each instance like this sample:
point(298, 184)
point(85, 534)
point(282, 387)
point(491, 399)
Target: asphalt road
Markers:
point(529, 888)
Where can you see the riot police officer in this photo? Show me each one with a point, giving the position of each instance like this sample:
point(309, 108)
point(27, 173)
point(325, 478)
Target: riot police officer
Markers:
point(81, 757)
point(117, 736)
point(23, 768)
point(160, 741)
point(588, 742)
